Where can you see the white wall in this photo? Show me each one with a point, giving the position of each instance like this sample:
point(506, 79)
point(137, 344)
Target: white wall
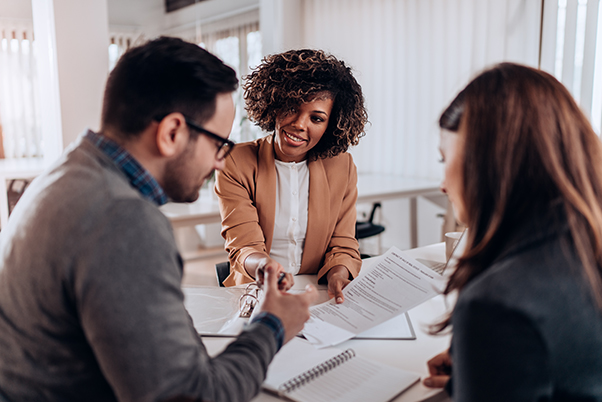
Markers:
point(411, 57)
point(281, 25)
point(147, 14)
point(15, 9)
point(149, 17)
point(71, 44)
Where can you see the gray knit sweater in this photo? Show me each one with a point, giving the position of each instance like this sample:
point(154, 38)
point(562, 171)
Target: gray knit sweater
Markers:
point(90, 302)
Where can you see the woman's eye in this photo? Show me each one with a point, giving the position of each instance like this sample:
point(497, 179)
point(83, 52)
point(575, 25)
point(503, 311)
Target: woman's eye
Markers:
point(441, 160)
point(318, 119)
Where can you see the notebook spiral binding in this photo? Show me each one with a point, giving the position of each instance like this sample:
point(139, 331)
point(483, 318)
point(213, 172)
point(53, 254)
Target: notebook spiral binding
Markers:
point(317, 371)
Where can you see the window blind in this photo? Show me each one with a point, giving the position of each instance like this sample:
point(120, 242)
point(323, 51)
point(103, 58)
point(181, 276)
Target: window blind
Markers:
point(19, 100)
point(411, 57)
point(571, 49)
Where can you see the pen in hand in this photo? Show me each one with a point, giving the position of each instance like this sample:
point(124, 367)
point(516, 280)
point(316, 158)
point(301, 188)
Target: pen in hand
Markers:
point(261, 276)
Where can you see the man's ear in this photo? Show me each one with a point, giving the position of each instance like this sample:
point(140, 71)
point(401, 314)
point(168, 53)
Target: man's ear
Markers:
point(172, 135)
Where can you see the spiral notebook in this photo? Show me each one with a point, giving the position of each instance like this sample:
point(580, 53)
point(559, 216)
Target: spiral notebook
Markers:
point(302, 373)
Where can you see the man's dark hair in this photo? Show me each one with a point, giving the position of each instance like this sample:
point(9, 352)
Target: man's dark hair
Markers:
point(163, 76)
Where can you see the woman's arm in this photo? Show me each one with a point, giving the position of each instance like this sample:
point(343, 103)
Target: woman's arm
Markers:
point(342, 260)
point(240, 221)
point(257, 260)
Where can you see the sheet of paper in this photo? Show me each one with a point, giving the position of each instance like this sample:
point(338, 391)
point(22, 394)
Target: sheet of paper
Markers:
point(214, 310)
point(387, 289)
point(398, 327)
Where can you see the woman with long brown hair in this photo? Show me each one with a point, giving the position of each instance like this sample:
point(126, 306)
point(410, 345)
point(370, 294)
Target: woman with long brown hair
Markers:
point(523, 170)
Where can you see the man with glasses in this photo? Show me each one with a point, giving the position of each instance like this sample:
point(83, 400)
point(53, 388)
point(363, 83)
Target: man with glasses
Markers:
point(224, 144)
point(90, 302)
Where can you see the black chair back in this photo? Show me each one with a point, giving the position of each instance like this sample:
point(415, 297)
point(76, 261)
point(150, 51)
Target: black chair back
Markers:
point(222, 270)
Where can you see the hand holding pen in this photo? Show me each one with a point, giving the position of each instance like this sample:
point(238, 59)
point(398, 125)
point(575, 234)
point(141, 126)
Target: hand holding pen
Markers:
point(285, 280)
point(261, 277)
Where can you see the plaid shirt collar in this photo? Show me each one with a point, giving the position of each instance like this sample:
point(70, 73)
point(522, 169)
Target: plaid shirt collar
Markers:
point(138, 176)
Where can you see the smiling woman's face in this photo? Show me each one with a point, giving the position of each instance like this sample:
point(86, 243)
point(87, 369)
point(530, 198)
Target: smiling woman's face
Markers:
point(299, 130)
point(451, 146)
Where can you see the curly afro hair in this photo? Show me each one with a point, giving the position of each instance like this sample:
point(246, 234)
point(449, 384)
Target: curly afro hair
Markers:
point(284, 81)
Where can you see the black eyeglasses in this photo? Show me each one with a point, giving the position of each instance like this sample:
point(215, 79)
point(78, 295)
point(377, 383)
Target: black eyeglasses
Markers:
point(225, 145)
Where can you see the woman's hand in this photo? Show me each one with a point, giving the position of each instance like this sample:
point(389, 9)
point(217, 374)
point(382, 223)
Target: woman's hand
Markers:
point(338, 278)
point(257, 263)
point(291, 309)
point(440, 368)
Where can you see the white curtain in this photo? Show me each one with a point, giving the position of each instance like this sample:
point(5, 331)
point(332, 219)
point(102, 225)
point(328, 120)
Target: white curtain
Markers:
point(120, 42)
point(411, 57)
point(240, 48)
point(572, 51)
point(19, 108)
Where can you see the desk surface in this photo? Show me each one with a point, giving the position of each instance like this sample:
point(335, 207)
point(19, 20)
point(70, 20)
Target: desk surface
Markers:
point(202, 211)
point(21, 168)
point(371, 188)
point(379, 187)
point(410, 355)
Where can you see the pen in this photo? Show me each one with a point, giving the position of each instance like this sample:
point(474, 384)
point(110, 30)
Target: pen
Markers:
point(280, 277)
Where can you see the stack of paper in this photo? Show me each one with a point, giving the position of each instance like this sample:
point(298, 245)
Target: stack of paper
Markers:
point(394, 285)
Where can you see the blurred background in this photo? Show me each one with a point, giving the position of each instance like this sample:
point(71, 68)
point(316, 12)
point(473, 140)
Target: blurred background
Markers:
point(410, 56)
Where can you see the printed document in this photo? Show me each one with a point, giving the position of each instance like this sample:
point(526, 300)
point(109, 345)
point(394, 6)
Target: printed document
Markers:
point(394, 285)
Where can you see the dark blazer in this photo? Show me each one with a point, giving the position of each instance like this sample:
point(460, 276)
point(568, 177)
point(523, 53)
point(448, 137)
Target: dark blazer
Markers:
point(527, 328)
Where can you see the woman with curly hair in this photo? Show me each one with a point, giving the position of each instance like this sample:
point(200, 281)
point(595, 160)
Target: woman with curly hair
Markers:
point(288, 199)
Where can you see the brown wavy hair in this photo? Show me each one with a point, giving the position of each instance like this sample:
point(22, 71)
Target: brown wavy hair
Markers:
point(527, 148)
point(284, 81)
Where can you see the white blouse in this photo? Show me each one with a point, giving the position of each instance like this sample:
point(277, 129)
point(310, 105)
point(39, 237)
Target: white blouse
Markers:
point(290, 225)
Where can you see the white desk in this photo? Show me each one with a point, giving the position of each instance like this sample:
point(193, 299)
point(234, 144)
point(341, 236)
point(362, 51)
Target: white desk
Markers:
point(371, 188)
point(202, 211)
point(24, 168)
point(410, 355)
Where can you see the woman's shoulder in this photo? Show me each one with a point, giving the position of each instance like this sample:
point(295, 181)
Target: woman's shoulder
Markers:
point(540, 278)
point(249, 147)
point(338, 161)
point(250, 152)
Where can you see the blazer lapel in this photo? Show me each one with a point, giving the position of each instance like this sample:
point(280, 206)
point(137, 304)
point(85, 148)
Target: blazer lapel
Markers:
point(265, 192)
point(318, 212)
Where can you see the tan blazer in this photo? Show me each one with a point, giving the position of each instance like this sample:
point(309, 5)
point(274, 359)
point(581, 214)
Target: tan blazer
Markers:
point(247, 197)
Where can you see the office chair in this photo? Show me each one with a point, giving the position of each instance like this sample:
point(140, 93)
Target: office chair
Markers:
point(222, 270)
point(368, 228)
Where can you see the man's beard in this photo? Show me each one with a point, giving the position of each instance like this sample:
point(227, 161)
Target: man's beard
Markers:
point(178, 180)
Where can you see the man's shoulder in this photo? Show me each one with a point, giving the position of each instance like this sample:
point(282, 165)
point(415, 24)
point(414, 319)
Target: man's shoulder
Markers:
point(87, 171)
point(81, 187)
